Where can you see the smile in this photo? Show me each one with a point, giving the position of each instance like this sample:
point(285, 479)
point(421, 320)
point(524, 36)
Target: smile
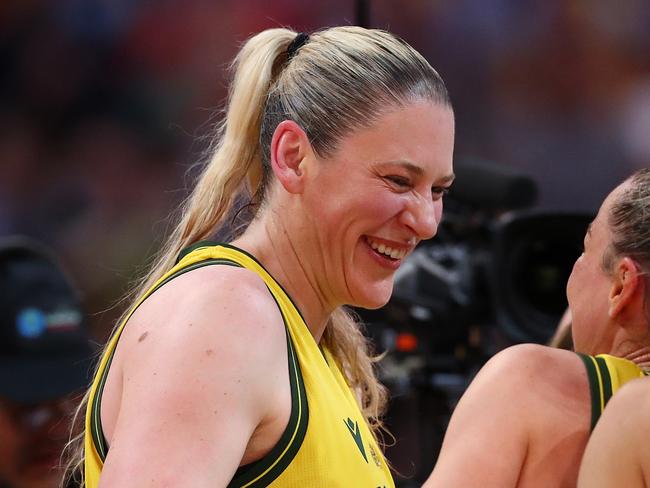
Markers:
point(386, 250)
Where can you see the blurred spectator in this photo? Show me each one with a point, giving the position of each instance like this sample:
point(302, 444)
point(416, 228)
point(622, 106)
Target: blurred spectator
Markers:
point(44, 361)
point(102, 103)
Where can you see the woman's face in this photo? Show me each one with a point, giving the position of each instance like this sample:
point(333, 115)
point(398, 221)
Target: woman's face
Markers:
point(589, 286)
point(378, 196)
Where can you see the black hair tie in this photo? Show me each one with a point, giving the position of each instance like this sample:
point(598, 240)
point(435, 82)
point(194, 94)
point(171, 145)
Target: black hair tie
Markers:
point(298, 41)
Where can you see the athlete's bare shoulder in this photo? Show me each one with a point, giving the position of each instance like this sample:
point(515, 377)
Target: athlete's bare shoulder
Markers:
point(511, 400)
point(618, 452)
point(205, 357)
point(544, 370)
point(213, 301)
point(558, 370)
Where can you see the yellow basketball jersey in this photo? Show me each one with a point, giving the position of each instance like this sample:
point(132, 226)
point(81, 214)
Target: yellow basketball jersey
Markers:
point(607, 374)
point(327, 442)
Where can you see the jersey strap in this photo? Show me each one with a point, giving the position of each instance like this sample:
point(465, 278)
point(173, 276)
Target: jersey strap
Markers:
point(606, 375)
point(254, 475)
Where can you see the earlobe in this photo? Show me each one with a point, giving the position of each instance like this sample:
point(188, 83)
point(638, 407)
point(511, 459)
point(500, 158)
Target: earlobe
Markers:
point(288, 149)
point(625, 285)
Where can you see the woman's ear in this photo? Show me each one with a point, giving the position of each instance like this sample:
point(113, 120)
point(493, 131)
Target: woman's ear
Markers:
point(289, 146)
point(627, 290)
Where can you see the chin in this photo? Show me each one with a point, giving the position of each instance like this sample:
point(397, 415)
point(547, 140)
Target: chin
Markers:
point(373, 298)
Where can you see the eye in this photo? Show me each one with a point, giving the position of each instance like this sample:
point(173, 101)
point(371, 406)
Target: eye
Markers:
point(399, 181)
point(440, 191)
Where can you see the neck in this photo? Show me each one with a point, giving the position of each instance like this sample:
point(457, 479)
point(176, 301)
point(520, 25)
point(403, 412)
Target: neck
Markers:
point(272, 244)
point(640, 356)
point(632, 345)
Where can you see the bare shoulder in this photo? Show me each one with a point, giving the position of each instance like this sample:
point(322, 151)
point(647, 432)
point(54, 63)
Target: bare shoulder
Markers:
point(629, 407)
point(516, 406)
point(525, 363)
point(501, 412)
point(635, 394)
point(628, 410)
point(222, 304)
point(617, 453)
point(213, 321)
point(550, 384)
point(205, 357)
point(207, 326)
point(531, 353)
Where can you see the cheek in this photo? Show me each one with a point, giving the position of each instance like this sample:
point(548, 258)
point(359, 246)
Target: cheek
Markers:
point(569, 283)
point(381, 206)
point(576, 273)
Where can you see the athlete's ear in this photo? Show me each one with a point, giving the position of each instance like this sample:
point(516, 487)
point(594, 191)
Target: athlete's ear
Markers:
point(626, 291)
point(289, 147)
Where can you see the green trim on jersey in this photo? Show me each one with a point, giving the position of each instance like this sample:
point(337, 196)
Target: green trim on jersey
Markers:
point(606, 378)
point(262, 472)
point(198, 245)
point(259, 473)
point(593, 375)
point(96, 426)
point(327, 441)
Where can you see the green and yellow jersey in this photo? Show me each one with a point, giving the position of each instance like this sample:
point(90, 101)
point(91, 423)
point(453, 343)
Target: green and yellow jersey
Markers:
point(327, 442)
point(607, 374)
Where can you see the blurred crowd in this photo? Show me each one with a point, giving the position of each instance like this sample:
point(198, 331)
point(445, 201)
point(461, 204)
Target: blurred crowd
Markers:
point(105, 105)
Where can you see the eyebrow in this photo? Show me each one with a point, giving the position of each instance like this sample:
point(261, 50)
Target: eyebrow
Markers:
point(448, 178)
point(418, 171)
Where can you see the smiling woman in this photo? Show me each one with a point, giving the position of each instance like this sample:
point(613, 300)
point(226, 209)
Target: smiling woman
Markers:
point(237, 364)
point(383, 186)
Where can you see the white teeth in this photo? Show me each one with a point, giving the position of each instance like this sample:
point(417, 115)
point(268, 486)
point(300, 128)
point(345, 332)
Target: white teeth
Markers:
point(388, 251)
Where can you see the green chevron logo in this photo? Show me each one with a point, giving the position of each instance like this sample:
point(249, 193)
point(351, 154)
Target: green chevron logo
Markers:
point(353, 427)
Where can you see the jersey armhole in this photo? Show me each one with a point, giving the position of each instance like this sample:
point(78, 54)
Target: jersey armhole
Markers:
point(96, 431)
point(262, 472)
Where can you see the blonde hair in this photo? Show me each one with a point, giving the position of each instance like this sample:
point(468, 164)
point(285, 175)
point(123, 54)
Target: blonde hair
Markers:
point(629, 221)
point(342, 79)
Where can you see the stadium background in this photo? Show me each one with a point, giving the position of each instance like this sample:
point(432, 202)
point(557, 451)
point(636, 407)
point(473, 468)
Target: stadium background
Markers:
point(105, 105)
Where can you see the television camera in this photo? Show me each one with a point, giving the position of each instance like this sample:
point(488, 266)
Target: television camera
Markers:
point(494, 275)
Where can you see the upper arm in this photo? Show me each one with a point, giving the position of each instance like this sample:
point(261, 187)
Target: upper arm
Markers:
point(197, 385)
point(616, 454)
point(487, 438)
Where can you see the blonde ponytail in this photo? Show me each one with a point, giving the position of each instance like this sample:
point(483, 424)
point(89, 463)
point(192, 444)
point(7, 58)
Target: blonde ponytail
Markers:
point(233, 170)
point(338, 81)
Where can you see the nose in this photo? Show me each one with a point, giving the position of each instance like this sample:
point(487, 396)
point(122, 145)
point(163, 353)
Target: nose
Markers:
point(422, 216)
